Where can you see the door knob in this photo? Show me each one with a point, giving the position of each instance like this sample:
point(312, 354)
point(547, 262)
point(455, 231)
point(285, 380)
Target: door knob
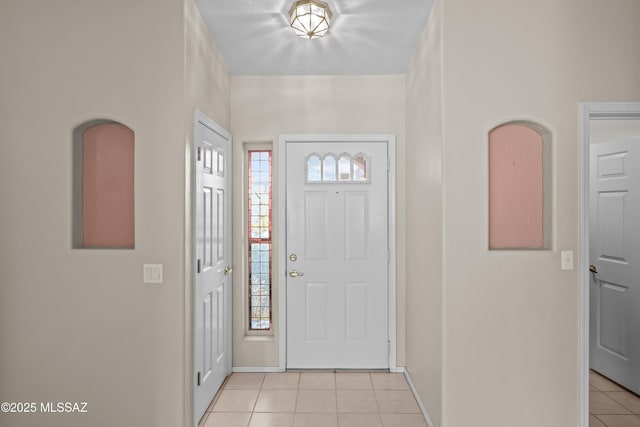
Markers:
point(593, 269)
point(295, 273)
point(227, 270)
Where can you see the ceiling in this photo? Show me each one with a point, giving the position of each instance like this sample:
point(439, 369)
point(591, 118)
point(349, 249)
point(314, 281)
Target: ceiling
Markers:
point(366, 36)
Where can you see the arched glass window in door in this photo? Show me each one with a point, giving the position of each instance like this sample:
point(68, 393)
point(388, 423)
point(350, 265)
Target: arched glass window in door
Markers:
point(360, 168)
point(314, 168)
point(329, 168)
point(344, 168)
point(519, 186)
point(325, 169)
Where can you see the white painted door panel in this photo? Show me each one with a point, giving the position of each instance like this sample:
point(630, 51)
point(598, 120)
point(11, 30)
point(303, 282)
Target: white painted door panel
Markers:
point(615, 252)
point(337, 312)
point(213, 255)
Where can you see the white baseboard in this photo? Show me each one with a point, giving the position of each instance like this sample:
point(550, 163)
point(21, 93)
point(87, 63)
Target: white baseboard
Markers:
point(257, 369)
point(415, 394)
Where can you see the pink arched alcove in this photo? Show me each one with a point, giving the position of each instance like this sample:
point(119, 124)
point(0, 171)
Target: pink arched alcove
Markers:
point(517, 201)
point(107, 156)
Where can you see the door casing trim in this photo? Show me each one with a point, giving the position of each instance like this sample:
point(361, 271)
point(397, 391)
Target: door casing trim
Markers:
point(591, 111)
point(285, 139)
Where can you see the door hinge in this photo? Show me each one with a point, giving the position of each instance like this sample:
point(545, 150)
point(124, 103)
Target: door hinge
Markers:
point(388, 256)
point(199, 153)
point(198, 378)
point(199, 266)
point(388, 164)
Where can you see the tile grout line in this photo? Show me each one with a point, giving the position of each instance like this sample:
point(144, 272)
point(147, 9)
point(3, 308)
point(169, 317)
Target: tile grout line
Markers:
point(597, 418)
point(257, 397)
point(295, 407)
point(335, 384)
point(608, 393)
point(375, 396)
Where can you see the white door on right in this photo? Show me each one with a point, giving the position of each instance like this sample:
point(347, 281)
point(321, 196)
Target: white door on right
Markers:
point(615, 261)
point(337, 255)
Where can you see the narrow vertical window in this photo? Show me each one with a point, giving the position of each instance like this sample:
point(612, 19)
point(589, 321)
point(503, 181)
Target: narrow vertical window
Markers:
point(360, 168)
point(329, 168)
point(344, 168)
point(314, 169)
point(259, 240)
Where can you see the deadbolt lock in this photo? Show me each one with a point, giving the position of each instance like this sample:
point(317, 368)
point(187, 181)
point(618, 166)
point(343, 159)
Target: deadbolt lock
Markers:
point(293, 257)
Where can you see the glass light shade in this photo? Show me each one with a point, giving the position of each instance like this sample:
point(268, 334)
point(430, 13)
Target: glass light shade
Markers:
point(310, 18)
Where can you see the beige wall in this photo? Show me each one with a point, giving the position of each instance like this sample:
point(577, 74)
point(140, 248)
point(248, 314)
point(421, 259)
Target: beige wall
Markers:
point(79, 325)
point(511, 317)
point(207, 79)
point(264, 107)
point(424, 216)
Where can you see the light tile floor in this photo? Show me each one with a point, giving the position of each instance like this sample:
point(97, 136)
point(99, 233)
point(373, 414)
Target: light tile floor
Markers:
point(310, 399)
point(365, 400)
point(611, 405)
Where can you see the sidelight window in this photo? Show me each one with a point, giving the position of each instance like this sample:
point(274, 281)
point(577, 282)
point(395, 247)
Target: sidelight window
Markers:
point(260, 240)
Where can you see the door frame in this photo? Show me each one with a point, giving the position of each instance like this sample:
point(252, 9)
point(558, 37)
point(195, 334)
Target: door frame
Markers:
point(591, 111)
point(285, 139)
point(191, 262)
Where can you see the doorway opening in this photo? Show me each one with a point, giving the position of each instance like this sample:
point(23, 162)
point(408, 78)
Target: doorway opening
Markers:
point(589, 114)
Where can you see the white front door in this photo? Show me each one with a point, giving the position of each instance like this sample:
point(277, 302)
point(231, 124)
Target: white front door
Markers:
point(212, 293)
point(337, 251)
point(615, 255)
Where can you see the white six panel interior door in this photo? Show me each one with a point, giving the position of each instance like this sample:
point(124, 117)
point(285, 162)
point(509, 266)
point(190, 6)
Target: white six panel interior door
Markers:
point(615, 258)
point(337, 255)
point(213, 261)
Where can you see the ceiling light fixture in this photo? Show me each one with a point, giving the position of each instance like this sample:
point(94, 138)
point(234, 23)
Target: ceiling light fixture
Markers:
point(310, 18)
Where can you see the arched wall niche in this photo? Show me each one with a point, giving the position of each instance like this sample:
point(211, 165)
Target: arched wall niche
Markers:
point(520, 186)
point(103, 185)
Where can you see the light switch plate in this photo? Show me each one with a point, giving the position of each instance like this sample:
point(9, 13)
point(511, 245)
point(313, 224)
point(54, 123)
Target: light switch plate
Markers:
point(566, 260)
point(153, 273)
